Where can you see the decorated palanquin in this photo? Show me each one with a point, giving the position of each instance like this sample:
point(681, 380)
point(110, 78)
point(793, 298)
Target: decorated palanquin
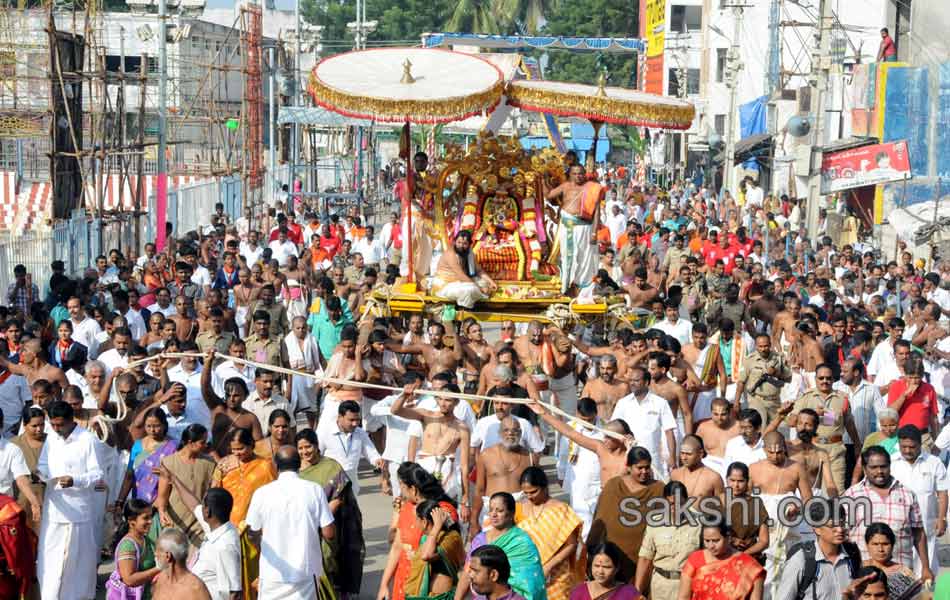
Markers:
point(496, 190)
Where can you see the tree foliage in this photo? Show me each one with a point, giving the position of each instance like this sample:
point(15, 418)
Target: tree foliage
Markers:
point(401, 23)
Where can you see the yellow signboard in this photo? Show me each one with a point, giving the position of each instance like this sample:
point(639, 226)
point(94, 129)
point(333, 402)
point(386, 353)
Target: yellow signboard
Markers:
point(655, 30)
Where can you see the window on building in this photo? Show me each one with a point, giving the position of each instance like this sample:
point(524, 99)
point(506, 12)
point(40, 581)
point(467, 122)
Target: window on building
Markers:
point(692, 82)
point(721, 64)
point(114, 63)
point(719, 124)
point(685, 18)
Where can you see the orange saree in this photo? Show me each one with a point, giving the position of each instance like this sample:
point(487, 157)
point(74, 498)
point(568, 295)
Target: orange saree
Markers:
point(730, 579)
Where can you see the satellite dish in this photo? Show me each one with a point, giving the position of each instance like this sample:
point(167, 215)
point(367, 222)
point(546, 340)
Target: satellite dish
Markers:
point(799, 126)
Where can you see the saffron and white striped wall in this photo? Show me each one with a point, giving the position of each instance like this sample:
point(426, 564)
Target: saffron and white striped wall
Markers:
point(23, 211)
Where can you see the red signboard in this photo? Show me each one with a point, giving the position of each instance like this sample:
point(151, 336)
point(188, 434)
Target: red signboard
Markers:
point(867, 165)
point(654, 76)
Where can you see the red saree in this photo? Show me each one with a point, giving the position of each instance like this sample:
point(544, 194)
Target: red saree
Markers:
point(729, 579)
point(411, 537)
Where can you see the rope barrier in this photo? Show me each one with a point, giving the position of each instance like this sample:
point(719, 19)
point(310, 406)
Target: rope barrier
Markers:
point(319, 377)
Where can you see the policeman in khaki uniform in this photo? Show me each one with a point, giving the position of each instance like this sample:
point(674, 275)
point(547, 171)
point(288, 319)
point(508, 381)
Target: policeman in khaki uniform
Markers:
point(215, 337)
point(835, 418)
point(762, 377)
point(263, 347)
point(664, 551)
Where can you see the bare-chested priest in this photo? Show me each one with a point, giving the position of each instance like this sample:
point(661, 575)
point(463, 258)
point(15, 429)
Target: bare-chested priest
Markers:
point(775, 479)
point(458, 276)
point(700, 481)
point(33, 366)
point(445, 442)
point(817, 461)
point(611, 452)
point(577, 236)
point(606, 389)
point(498, 469)
point(716, 433)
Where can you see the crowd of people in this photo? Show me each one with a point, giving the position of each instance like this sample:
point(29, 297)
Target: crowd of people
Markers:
point(198, 416)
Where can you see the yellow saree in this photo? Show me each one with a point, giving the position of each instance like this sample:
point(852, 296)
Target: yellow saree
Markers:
point(550, 529)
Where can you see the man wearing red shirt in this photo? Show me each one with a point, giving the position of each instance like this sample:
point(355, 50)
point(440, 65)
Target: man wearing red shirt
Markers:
point(886, 52)
point(915, 401)
point(329, 242)
point(294, 230)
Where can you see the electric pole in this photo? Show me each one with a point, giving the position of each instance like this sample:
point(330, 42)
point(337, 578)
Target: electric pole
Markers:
point(161, 191)
point(821, 65)
point(733, 68)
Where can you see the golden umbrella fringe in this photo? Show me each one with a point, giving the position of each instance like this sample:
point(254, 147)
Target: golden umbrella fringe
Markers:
point(389, 109)
point(602, 108)
point(373, 386)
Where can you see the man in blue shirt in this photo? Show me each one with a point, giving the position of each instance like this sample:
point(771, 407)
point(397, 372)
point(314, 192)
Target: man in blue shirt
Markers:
point(326, 327)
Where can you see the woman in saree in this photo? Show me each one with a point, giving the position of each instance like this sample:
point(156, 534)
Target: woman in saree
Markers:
point(902, 582)
point(281, 434)
point(241, 472)
point(527, 575)
point(555, 529)
point(31, 443)
point(416, 485)
point(343, 556)
point(719, 571)
point(146, 456)
point(604, 579)
point(435, 566)
point(193, 467)
point(135, 566)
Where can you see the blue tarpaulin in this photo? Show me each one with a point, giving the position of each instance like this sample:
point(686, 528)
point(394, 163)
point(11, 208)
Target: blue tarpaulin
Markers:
point(517, 42)
point(752, 122)
point(581, 140)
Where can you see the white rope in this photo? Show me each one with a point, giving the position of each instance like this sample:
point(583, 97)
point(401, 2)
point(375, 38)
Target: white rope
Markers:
point(375, 386)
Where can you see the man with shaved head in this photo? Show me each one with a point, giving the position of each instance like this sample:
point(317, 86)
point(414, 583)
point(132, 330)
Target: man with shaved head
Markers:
point(777, 478)
point(33, 366)
point(700, 480)
point(606, 389)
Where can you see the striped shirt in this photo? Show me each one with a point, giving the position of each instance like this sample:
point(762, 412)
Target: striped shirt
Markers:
point(899, 509)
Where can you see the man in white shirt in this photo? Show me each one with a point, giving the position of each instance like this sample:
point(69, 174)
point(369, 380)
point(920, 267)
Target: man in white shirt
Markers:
point(250, 250)
point(282, 248)
point(864, 400)
point(889, 370)
point(120, 300)
point(753, 195)
point(188, 373)
point(884, 352)
point(14, 471)
point(293, 517)
point(67, 556)
point(399, 431)
point(386, 234)
point(616, 222)
point(85, 330)
point(925, 475)
point(747, 447)
point(163, 304)
point(579, 468)
point(371, 248)
point(674, 326)
point(346, 442)
point(117, 356)
point(650, 421)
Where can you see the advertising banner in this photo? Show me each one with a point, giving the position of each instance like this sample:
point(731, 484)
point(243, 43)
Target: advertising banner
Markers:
point(868, 165)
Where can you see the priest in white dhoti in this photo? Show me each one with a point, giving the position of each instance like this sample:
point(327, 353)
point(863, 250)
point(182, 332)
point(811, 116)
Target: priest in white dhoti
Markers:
point(67, 554)
point(577, 235)
point(303, 355)
point(415, 239)
point(458, 276)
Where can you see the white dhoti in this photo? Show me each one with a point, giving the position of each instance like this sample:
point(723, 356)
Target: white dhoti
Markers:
point(463, 293)
point(328, 412)
point(585, 505)
point(565, 388)
point(240, 317)
point(579, 257)
point(781, 539)
point(445, 469)
point(702, 408)
point(931, 554)
point(66, 561)
point(279, 590)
